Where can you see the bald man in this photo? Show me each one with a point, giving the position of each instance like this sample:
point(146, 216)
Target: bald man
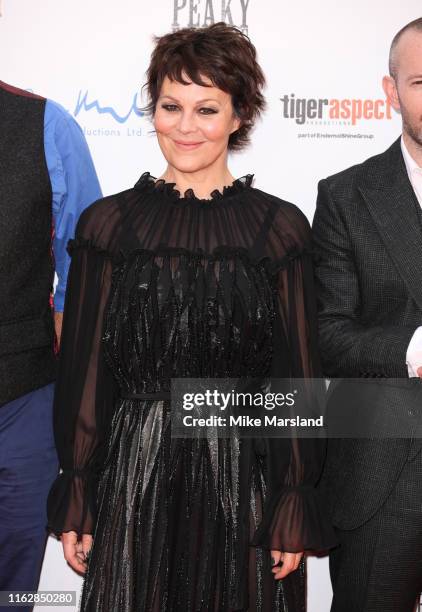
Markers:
point(368, 234)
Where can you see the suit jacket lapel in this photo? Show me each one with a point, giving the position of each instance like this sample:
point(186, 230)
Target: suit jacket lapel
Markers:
point(392, 204)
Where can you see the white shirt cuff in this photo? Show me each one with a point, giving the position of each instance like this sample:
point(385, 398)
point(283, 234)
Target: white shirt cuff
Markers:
point(414, 353)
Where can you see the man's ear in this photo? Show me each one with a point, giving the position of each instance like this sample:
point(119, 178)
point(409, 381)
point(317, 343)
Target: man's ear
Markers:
point(390, 89)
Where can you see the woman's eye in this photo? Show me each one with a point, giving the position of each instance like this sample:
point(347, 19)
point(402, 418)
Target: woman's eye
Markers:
point(207, 111)
point(170, 107)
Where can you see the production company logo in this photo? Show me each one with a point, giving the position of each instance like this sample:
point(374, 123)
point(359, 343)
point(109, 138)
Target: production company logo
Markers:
point(348, 114)
point(202, 13)
point(87, 103)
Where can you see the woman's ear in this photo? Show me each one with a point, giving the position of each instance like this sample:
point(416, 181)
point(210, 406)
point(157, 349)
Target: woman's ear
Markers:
point(237, 123)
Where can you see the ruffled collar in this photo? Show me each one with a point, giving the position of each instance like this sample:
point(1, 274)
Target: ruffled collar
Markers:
point(230, 192)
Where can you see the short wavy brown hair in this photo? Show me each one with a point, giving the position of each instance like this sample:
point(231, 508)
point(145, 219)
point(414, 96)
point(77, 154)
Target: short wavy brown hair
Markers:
point(222, 54)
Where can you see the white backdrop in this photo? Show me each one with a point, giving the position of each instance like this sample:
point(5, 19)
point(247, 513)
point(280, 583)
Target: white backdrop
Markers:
point(91, 57)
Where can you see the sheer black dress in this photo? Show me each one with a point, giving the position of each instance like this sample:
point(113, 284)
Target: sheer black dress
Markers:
point(163, 285)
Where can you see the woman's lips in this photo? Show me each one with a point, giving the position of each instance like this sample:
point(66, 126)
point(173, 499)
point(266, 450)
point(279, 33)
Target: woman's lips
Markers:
point(187, 146)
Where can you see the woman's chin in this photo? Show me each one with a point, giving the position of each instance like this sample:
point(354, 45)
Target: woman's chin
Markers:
point(186, 165)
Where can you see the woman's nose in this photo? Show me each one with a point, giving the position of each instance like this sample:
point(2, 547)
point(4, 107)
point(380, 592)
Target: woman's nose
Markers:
point(187, 122)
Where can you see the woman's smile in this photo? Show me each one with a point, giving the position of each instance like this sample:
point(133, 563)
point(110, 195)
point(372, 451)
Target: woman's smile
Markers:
point(187, 146)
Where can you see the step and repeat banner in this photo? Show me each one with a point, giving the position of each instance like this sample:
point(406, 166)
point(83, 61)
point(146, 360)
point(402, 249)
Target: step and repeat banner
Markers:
point(324, 62)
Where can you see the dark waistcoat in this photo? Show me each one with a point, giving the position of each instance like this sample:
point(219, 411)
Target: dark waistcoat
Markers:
point(27, 357)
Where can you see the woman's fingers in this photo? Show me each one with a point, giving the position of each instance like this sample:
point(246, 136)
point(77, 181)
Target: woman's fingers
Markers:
point(276, 557)
point(86, 543)
point(73, 551)
point(79, 551)
point(290, 563)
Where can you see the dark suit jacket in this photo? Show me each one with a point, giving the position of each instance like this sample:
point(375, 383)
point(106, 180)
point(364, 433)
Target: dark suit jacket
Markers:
point(368, 240)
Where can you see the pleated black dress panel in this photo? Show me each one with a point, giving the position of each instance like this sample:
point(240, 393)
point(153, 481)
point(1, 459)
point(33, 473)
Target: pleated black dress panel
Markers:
point(161, 286)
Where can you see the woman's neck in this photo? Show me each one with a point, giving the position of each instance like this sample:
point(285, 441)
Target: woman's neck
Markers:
point(203, 182)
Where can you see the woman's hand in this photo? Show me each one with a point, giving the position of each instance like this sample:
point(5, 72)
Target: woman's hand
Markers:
point(75, 550)
point(284, 563)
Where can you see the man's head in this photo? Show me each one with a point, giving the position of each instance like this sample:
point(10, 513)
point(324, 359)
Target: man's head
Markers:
point(403, 87)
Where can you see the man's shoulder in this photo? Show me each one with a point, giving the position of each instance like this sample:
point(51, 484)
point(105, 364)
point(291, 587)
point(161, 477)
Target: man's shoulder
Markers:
point(23, 94)
point(58, 118)
point(55, 117)
point(363, 173)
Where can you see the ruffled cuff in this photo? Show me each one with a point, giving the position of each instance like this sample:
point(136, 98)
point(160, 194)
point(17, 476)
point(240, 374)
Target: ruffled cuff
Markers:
point(71, 503)
point(295, 520)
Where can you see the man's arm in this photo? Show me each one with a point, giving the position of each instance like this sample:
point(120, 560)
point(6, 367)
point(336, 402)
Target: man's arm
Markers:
point(349, 348)
point(74, 185)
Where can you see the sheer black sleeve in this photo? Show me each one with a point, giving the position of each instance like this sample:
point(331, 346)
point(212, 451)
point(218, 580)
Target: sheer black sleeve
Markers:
point(85, 389)
point(294, 519)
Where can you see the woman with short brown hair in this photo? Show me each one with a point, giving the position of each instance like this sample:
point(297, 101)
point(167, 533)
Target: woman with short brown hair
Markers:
point(196, 275)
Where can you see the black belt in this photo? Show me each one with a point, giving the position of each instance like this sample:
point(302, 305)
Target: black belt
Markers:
point(156, 395)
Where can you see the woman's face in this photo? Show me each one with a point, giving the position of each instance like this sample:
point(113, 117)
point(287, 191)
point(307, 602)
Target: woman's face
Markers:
point(193, 124)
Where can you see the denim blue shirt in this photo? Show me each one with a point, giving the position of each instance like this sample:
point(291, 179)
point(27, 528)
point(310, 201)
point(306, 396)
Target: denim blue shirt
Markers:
point(74, 184)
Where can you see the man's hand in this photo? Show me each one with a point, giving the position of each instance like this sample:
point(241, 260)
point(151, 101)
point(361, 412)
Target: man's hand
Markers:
point(75, 550)
point(58, 320)
point(284, 563)
point(419, 372)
